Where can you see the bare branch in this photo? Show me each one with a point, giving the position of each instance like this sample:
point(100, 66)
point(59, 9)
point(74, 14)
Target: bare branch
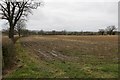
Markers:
point(14, 11)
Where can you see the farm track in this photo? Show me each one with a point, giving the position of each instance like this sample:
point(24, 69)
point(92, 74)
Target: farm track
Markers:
point(52, 48)
point(47, 55)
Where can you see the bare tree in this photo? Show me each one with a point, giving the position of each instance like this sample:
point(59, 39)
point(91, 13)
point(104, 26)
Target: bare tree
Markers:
point(25, 32)
point(20, 26)
point(41, 32)
point(110, 29)
point(16, 10)
point(101, 31)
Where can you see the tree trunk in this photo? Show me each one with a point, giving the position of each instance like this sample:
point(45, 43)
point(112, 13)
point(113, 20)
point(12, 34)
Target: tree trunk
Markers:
point(110, 32)
point(11, 32)
point(19, 32)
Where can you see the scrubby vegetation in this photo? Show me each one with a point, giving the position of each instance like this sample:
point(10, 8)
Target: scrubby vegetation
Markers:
point(9, 54)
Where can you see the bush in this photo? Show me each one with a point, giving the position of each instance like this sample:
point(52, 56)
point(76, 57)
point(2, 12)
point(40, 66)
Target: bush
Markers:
point(9, 56)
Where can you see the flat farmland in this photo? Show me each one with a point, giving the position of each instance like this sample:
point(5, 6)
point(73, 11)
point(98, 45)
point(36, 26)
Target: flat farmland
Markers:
point(67, 57)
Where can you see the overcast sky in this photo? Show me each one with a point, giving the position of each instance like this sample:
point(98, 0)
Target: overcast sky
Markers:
point(73, 15)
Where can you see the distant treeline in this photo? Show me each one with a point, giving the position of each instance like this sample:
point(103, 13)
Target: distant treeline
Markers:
point(29, 32)
point(110, 30)
point(69, 33)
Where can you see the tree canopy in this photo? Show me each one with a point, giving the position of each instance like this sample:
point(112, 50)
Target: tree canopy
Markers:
point(13, 11)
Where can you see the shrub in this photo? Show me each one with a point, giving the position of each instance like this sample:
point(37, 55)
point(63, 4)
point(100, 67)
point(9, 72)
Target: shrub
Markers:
point(8, 52)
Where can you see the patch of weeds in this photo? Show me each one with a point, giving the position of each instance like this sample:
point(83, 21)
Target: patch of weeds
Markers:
point(101, 71)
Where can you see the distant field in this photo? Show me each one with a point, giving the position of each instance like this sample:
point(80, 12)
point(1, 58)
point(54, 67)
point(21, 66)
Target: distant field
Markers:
point(67, 57)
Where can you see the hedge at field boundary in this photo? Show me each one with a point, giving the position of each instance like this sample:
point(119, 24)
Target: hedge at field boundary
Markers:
point(9, 54)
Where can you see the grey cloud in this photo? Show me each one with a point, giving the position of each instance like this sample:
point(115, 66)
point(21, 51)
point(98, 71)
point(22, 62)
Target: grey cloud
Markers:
point(74, 15)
